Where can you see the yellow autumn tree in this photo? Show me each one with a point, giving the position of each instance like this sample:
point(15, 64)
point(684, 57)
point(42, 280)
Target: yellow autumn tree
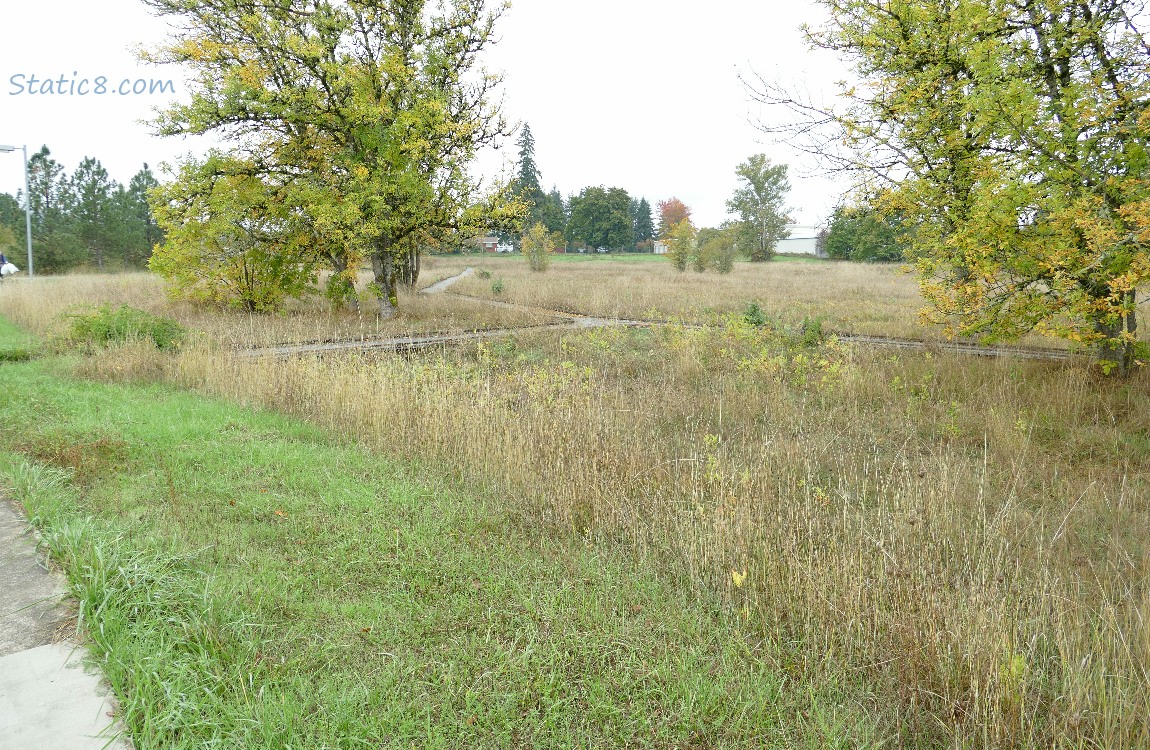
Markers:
point(1012, 136)
point(231, 240)
point(537, 245)
point(362, 117)
point(682, 243)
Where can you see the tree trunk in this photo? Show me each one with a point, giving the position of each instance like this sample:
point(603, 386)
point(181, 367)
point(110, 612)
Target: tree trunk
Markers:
point(1116, 353)
point(409, 268)
point(383, 266)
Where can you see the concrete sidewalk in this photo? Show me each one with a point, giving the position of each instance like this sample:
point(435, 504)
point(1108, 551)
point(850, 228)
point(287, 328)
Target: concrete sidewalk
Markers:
point(48, 699)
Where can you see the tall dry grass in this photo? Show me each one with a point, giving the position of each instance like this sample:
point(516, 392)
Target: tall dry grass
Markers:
point(962, 543)
point(874, 299)
point(42, 306)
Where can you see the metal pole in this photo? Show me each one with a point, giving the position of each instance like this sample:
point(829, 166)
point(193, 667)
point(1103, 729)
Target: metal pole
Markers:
point(27, 211)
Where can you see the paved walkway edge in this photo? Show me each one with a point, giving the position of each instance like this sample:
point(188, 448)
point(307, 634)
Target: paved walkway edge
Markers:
point(48, 699)
point(51, 698)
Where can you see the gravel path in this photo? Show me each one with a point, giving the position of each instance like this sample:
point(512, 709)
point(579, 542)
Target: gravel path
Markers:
point(439, 286)
point(578, 321)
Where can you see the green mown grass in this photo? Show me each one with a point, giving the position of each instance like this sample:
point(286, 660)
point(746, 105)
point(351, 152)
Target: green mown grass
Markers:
point(15, 345)
point(248, 580)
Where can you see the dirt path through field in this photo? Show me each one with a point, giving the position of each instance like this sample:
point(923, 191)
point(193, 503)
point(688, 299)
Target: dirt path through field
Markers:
point(439, 286)
point(576, 321)
point(568, 322)
point(414, 342)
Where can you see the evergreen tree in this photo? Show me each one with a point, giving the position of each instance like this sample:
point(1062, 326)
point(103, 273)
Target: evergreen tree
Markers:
point(527, 176)
point(84, 217)
point(542, 207)
point(49, 199)
point(643, 222)
point(12, 214)
point(142, 232)
point(551, 213)
point(7, 240)
point(94, 218)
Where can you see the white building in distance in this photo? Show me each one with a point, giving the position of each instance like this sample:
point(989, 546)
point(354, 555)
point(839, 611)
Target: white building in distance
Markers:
point(803, 240)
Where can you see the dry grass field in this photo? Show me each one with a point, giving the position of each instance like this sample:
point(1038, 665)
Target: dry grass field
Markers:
point(962, 543)
point(874, 299)
point(44, 307)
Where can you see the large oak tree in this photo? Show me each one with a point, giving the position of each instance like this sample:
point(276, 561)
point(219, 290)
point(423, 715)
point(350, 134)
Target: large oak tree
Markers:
point(361, 115)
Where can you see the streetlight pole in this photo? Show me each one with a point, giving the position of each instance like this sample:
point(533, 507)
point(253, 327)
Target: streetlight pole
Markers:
point(27, 202)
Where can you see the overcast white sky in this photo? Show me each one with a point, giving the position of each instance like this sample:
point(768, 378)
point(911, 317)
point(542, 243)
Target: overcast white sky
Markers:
point(638, 94)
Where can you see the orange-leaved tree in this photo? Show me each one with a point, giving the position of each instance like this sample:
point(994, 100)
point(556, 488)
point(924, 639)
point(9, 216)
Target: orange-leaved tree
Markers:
point(671, 212)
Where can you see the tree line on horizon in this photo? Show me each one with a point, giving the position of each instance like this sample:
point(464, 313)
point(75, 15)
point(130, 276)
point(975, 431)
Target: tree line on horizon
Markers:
point(596, 217)
point(612, 219)
point(609, 218)
point(81, 220)
point(87, 220)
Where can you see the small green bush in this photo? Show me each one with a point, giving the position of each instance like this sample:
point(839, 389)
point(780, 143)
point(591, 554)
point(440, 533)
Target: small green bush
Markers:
point(15, 354)
point(755, 315)
point(497, 286)
point(811, 332)
point(112, 325)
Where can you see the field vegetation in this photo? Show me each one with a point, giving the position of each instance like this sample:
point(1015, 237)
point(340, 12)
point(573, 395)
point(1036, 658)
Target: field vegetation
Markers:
point(854, 297)
point(249, 581)
point(872, 298)
point(46, 312)
point(956, 548)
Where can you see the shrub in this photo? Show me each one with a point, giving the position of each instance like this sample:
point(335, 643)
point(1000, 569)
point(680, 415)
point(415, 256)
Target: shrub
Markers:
point(681, 244)
point(15, 354)
point(113, 325)
point(811, 332)
point(340, 289)
point(537, 244)
point(755, 315)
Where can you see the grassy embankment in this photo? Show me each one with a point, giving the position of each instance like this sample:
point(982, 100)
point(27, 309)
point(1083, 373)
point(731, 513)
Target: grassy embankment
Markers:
point(247, 580)
point(964, 541)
